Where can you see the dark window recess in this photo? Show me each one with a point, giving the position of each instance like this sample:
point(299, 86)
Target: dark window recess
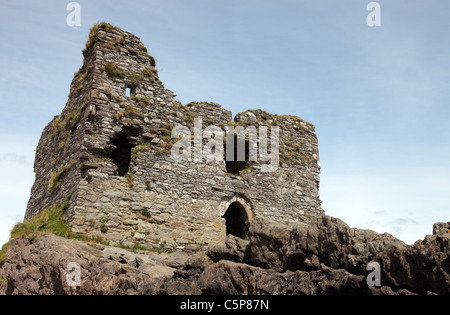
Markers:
point(234, 167)
point(121, 156)
point(235, 221)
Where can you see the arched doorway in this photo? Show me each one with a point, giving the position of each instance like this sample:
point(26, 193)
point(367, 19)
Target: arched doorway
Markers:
point(237, 220)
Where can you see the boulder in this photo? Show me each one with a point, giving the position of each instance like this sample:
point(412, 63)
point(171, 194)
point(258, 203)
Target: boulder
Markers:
point(40, 267)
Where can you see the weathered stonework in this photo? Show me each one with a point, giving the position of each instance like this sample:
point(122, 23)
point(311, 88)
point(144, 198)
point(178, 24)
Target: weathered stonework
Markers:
point(111, 154)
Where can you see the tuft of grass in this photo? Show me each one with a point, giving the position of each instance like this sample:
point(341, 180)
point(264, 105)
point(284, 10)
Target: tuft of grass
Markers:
point(50, 221)
point(55, 178)
point(130, 178)
point(93, 34)
point(104, 229)
point(146, 213)
point(150, 73)
point(152, 61)
point(142, 101)
point(145, 147)
point(3, 253)
point(58, 126)
point(131, 111)
point(113, 71)
point(66, 204)
point(80, 79)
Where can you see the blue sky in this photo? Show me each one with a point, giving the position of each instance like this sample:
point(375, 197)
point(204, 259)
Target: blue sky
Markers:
point(379, 96)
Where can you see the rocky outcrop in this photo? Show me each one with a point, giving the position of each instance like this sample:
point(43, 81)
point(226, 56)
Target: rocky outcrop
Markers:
point(324, 257)
point(41, 266)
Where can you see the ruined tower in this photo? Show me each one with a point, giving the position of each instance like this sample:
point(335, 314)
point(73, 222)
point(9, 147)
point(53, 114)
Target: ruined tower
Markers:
point(110, 152)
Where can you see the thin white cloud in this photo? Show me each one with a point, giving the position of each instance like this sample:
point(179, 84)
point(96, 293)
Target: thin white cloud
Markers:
point(411, 204)
point(402, 221)
point(14, 158)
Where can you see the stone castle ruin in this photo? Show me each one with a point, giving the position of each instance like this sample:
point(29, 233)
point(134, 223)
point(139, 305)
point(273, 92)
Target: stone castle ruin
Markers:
point(109, 152)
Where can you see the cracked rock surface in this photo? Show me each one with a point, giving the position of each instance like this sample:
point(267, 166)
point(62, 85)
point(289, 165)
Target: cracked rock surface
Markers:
point(325, 256)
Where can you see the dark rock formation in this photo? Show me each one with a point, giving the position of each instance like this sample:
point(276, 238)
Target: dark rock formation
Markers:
point(329, 249)
point(324, 257)
point(40, 266)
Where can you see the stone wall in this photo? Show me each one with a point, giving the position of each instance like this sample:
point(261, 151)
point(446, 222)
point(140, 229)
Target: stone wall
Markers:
point(112, 153)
